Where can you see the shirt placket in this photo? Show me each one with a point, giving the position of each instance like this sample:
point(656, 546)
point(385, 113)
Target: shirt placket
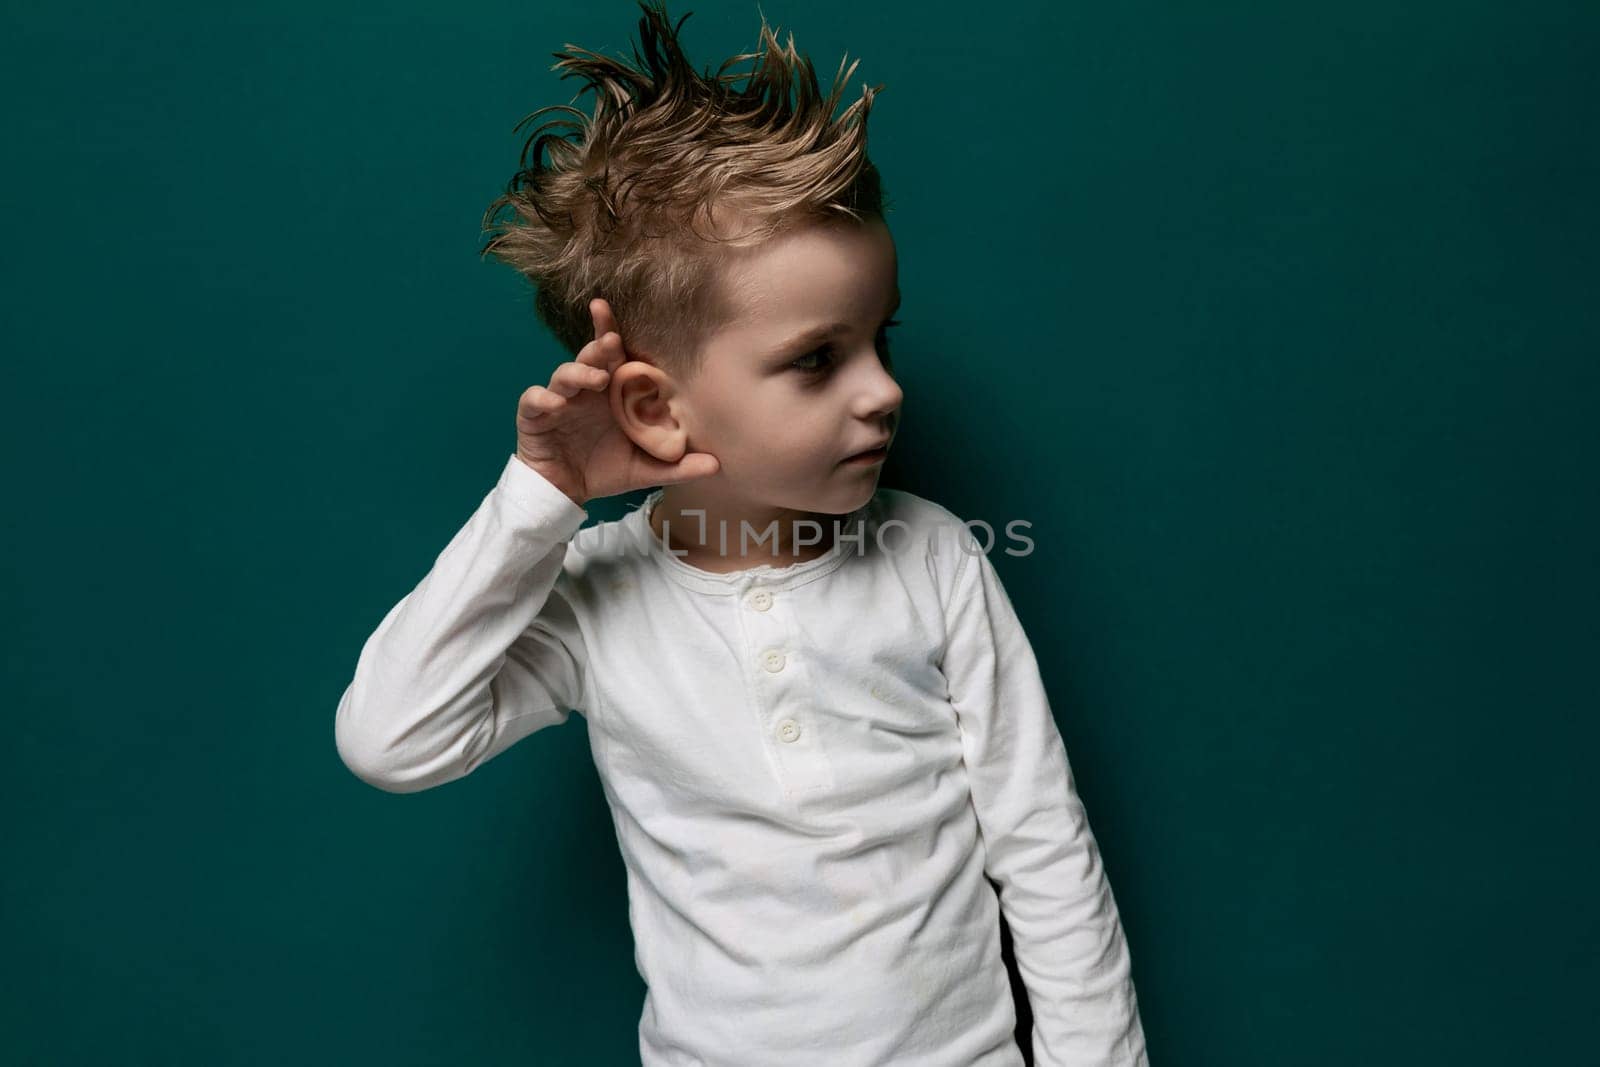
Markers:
point(788, 726)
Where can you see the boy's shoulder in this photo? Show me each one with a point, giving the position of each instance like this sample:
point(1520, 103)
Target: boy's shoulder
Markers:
point(929, 532)
point(918, 512)
point(608, 547)
point(927, 523)
point(951, 544)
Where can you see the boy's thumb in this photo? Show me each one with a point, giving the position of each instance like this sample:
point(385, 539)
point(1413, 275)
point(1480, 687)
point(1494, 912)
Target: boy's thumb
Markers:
point(693, 465)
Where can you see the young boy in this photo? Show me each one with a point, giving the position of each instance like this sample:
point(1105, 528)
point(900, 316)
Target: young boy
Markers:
point(818, 724)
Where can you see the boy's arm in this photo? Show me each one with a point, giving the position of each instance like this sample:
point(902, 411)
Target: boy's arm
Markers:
point(483, 652)
point(1066, 933)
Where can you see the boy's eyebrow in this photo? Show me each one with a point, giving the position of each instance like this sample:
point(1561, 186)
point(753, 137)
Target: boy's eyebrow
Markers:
point(817, 334)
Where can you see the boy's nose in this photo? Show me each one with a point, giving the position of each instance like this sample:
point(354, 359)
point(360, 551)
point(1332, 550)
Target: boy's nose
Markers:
point(888, 398)
point(880, 394)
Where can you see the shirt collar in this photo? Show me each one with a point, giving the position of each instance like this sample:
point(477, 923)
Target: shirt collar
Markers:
point(766, 575)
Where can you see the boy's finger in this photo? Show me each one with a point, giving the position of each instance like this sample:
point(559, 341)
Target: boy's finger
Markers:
point(596, 353)
point(538, 400)
point(604, 321)
point(571, 378)
point(605, 352)
point(691, 466)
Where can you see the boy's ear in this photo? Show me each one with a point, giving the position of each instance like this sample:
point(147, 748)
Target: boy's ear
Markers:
point(648, 407)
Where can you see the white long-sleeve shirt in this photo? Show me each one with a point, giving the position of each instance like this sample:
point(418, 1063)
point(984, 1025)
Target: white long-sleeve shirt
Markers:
point(811, 768)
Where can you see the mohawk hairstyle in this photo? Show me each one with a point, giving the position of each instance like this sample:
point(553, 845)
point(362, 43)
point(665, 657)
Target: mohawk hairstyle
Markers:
point(637, 208)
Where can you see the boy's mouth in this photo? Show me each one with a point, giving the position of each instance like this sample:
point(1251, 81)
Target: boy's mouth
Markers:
point(871, 455)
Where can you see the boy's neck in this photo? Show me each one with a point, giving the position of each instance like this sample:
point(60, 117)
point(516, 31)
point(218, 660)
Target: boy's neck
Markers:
point(705, 531)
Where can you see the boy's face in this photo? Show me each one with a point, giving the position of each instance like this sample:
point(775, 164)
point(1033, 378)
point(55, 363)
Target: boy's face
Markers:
point(797, 381)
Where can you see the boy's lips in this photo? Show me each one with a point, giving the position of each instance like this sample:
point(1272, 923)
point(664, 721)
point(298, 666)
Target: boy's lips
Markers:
point(877, 451)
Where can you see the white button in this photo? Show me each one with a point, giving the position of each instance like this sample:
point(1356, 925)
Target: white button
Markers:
point(772, 660)
point(789, 730)
point(761, 600)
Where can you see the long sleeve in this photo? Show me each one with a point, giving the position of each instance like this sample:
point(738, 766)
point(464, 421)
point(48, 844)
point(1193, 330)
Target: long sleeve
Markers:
point(1054, 893)
point(483, 652)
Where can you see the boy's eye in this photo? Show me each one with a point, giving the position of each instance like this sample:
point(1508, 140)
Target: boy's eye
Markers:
point(825, 353)
point(884, 346)
point(802, 365)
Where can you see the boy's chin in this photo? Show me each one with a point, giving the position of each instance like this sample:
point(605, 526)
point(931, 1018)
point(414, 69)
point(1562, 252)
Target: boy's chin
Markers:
point(853, 498)
point(838, 496)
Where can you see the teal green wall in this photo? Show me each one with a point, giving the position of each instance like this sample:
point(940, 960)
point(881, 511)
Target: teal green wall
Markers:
point(1278, 323)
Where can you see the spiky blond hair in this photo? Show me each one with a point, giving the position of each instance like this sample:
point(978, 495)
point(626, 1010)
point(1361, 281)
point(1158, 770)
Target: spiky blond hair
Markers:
point(639, 208)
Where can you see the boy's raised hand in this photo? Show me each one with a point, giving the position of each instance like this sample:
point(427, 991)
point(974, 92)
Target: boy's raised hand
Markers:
point(566, 431)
